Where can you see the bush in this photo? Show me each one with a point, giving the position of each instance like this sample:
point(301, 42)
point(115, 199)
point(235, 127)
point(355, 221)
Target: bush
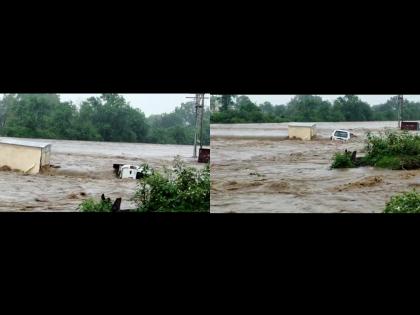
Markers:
point(408, 202)
point(90, 205)
point(390, 162)
point(393, 150)
point(342, 160)
point(181, 189)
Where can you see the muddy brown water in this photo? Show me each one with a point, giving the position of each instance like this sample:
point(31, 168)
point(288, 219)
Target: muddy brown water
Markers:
point(84, 170)
point(254, 168)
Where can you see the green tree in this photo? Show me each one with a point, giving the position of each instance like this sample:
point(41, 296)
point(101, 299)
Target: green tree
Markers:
point(308, 108)
point(6, 103)
point(267, 108)
point(113, 119)
point(178, 127)
point(30, 115)
point(214, 102)
point(353, 109)
point(106, 118)
point(226, 101)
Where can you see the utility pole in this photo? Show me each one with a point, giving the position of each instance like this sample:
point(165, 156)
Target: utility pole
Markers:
point(199, 113)
point(400, 110)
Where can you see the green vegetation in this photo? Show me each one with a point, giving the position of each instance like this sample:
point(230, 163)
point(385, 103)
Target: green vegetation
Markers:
point(180, 189)
point(393, 150)
point(391, 162)
point(307, 108)
point(408, 202)
point(342, 160)
point(90, 205)
point(106, 118)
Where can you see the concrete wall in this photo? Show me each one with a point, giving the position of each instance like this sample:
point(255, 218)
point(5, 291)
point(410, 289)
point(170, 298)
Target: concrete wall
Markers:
point(304, 133)
point(46, 155)
point(20, 157)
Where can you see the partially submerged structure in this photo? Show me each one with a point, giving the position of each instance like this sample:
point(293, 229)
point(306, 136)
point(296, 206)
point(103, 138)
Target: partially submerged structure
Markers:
point(204, 155)
point(25, 156)
point(303, 131)
point(410, 125)
point(131, 171)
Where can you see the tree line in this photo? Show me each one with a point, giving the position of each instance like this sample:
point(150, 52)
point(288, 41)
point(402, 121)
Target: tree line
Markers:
point(307, 108)
point(108, 117)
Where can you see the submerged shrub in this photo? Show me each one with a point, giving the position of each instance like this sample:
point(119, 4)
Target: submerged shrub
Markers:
point(393, 143)
point(342, 160)
point(392, 150)
point(90, 205)
point(391, 162)
point(408, 202)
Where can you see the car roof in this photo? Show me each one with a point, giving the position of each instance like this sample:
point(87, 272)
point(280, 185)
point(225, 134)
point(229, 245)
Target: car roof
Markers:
point(341, 130)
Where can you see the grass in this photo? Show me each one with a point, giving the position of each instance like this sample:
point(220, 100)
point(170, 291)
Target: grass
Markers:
point(408, 202)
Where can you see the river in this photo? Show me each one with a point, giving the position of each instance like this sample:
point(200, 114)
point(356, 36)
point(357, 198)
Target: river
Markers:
point(256, 169)
point(85, 170)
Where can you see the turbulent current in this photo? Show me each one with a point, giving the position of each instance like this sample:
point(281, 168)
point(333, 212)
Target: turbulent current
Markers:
point(255, 168)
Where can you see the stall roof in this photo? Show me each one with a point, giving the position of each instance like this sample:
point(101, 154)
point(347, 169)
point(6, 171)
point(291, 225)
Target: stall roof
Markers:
point(24, 143)
point(302, 125)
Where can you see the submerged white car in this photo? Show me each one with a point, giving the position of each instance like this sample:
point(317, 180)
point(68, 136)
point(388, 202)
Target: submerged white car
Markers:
point(132, 171)
point(341, 134)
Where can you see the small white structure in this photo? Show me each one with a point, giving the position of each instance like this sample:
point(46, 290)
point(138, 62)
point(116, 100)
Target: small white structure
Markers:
point(24, 155)
point(303, 131)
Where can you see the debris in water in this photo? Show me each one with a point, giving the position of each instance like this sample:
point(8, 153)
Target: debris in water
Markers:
point(365, 182)
point(72, 196)
point(204, 156)
point(117, 205)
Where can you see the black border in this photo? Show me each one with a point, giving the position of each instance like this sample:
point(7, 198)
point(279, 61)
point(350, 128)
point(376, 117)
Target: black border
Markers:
point(285, 70)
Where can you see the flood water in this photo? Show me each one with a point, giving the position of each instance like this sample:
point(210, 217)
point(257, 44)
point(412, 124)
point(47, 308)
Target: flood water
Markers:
point(279, 130)
point(85, 170)
point(254, 168)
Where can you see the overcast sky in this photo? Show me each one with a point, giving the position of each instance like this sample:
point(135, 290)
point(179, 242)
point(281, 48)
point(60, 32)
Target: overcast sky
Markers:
point(371, 99)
